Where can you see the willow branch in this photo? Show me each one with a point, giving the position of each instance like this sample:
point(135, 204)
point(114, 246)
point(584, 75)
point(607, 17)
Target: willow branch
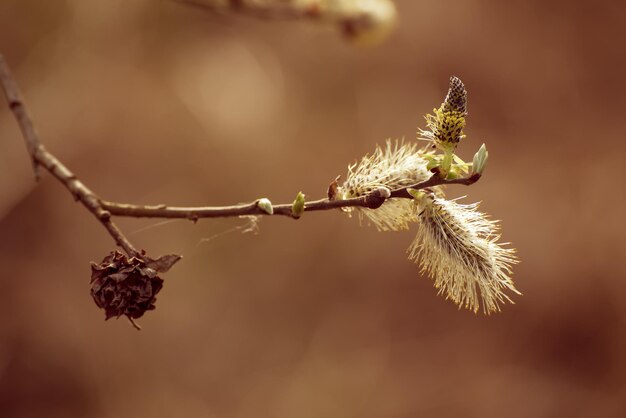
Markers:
point(43, 158)
point(372, 201)
point(21, 114)
point(353, 17)
point(103, 210)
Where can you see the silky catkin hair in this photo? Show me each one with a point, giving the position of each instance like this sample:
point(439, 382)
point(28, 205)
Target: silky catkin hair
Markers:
point(397, 165)
point(456, 246)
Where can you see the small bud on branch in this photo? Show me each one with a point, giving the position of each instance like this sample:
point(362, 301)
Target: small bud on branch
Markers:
point(265, 205)
point(297, 208)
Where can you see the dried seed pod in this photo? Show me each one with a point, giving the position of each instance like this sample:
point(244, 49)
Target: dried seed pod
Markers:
point(122, 285)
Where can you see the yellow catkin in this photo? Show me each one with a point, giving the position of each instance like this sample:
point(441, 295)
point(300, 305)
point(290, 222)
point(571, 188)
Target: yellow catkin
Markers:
point(446, 124)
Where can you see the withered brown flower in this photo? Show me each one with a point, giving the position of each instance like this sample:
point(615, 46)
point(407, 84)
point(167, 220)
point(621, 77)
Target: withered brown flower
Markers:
point(128, 286)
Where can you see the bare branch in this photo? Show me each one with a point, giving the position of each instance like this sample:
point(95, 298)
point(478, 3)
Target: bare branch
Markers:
point(372, 201)
point(41, 157)
point(18, 108)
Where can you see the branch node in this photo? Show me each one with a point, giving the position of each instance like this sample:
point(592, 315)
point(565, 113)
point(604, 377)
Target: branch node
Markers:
point(103, 215)
point(473, 178)
point(376, 198)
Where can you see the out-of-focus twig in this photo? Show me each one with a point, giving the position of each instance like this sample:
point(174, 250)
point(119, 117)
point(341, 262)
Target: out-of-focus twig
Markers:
point(366, 21)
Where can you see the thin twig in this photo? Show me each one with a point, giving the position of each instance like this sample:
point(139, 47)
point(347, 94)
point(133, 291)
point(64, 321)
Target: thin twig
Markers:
point(42, 157)
point(373, 200)
point(21, 114)
point(103, 210)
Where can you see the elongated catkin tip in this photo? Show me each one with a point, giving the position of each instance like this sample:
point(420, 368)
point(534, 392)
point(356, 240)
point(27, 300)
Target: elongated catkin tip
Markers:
point(456, 99)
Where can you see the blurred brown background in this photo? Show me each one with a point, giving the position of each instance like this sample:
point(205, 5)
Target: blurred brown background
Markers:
point(153, 102)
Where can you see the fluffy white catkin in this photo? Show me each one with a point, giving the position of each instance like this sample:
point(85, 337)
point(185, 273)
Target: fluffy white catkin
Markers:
point(397, 165)
point(456, 245)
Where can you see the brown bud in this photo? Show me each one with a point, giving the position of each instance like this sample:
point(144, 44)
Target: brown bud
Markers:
point(333, 189)
point(128, 286)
